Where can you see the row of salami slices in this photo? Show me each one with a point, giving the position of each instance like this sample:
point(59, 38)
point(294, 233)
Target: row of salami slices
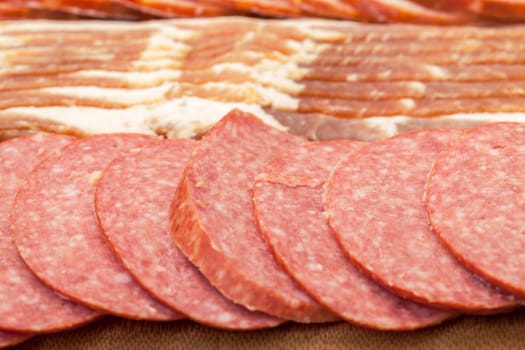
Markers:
point(415, 11)
point(251, 227)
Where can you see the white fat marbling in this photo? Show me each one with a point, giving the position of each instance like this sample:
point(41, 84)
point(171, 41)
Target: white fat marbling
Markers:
point(183, 117)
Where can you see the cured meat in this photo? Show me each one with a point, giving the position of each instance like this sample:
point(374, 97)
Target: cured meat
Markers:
point(55, 72)
point(289, 212)
point(57, 234)
point(44, 9)
point(420, 72)
point(132, 200)
point(374, 202)
point(175, 8)
point(276, 8)
point(26, 304)
point(10, 339)
point(406, 11)
point(506, 10)
point(213, 223)
point(85, 8)
point(436, 46)
point(504, 57)
point(330, 9)
point(415, 11)
point(475, 202)
point(413, 107)
point(412, 89)
point(14, 11)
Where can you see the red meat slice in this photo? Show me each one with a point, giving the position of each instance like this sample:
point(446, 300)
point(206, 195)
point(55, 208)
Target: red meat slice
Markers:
point(25, 303)
point(132, 200)
point(476, 202)
point(289, 212)
point(57, 233)
point(375, 205)
point(213, 223)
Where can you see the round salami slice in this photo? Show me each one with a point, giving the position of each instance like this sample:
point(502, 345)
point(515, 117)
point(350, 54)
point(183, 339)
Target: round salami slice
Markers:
point(375, 204)
point(476, 202)
point(132, 202)
point(26, 304)
point(302, 241)
point(213, 224)
point(58, 236)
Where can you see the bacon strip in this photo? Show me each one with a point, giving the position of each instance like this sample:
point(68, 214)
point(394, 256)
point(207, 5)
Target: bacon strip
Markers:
point(302, 68)
point(443, 12)
point(82, 8)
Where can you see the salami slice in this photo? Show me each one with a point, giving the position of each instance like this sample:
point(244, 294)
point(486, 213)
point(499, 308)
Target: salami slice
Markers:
point(375, 204)
point(25, 303)
point(57, 233)
point(302, 241)
point(213, 224)
point(132, 201)
point(476, 202)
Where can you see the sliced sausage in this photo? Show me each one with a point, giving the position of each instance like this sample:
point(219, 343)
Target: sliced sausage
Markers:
point(58, 236)
point(375, 205)
point(289, 212)
point(213, 223)
point(132, 202)
point(25, 303)
point(476, 201)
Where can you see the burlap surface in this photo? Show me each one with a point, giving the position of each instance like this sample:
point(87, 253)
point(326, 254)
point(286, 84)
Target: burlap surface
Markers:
point(467, 332)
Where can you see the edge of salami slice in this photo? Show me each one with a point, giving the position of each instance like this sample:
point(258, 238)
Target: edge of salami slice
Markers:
point(132, 202)
point(301, 239)
point(58, 236)
point(12, 338)
point(475, 202)
point(26, 304)
point(212, 221)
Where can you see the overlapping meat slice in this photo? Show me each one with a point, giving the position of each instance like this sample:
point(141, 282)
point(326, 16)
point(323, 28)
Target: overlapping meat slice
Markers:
point(288, 208)
point(476, 201)
point(410, 11)
point(132, 202)
point(176, 8)
point(413, 107)
point(58, 236)
point(504, 10)
point(375, 204)
point(275, 8)
point(83, 8)
point(331, 9)
point(25, 303)
point(422, 72)
point(213, 223)
point(407, 11)
point(297, 67)
point(17, 10)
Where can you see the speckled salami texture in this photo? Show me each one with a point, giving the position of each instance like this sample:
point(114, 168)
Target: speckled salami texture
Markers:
point(302, 241)
point(213, 224)
point(476, 202)
point(375, 204)
point(132, 202)
point(58, 236)
point(25, 303)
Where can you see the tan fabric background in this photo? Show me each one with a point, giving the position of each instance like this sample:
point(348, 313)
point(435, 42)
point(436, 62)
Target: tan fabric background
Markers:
point(467, 332)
